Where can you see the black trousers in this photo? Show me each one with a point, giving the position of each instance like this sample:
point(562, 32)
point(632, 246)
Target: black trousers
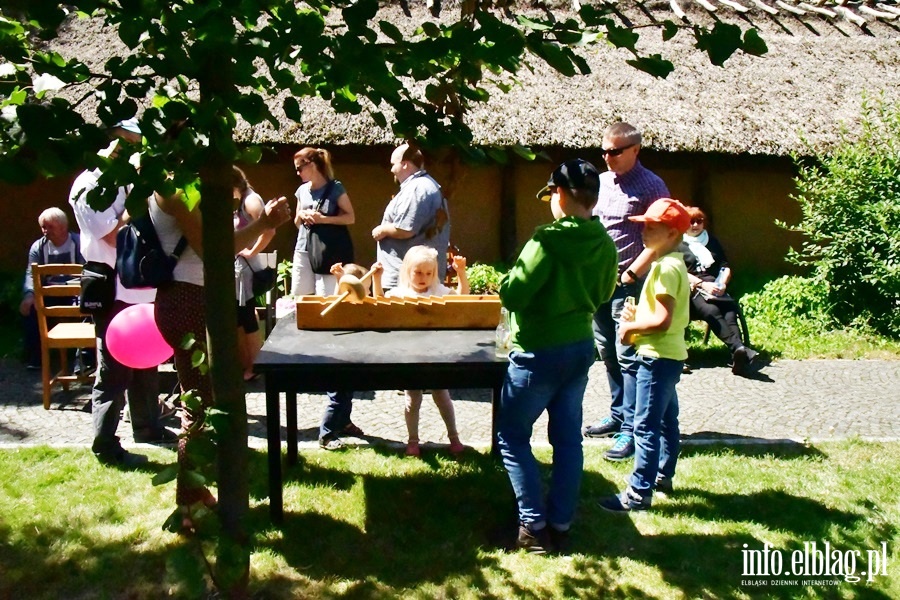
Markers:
point(722, 318)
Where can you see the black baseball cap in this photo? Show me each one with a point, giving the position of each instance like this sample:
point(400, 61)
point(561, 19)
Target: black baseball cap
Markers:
point(576, 174)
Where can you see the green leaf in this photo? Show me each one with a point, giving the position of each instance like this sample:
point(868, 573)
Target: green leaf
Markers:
point(251, 154)
point(621, 37)
point(166, 475)
point(498, 155)
point(358, 14)
point(292, 109)
point(192, 194)
point(557, 57)
point(719, 43)
point(431, 30)
point(753, 43)
point(198, 357)
point(378, 117)
point(524, 151)
point(669, 30)
point(593, 17)
point(654, 65)
point(532, 24)
point(188, 341)
point(391, 30)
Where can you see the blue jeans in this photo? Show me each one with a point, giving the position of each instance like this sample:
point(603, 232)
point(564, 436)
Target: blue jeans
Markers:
point(655, 422)
point(551, 379)
point(337, 415)
point(619, 359)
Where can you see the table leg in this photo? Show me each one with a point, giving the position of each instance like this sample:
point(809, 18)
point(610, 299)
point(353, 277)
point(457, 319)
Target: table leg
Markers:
point(273, 435)
point(495, 409)
point(290, 407)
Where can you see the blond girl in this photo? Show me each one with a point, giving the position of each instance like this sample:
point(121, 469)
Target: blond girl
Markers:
point(419, 277)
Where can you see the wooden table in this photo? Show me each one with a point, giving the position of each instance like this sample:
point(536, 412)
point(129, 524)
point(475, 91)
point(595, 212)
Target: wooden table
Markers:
point(294, 360)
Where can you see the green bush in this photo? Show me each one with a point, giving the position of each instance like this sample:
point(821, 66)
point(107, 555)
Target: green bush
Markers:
point(789, 299)
point(483, 279)
point(850, 201)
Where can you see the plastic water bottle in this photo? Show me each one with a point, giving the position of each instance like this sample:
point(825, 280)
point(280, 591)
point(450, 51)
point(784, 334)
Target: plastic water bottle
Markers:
point(502, 334)
point(720, 279)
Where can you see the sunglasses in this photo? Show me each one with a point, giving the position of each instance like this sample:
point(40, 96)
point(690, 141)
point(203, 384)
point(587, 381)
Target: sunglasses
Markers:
point(697, 221)
point(616, 151)
point(300, 165)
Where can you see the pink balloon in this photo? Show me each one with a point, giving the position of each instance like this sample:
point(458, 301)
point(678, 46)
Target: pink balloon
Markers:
point(134, 339)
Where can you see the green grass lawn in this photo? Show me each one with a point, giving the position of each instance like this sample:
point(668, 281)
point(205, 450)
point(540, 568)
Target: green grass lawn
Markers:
point(368, 523)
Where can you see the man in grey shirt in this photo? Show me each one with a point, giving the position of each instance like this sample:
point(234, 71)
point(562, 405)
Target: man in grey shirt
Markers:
point(416, 215)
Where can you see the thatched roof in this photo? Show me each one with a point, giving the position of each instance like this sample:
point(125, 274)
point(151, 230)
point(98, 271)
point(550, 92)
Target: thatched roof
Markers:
point(799, 95)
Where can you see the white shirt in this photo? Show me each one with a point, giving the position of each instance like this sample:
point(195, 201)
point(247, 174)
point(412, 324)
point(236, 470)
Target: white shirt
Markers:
point(95, 225)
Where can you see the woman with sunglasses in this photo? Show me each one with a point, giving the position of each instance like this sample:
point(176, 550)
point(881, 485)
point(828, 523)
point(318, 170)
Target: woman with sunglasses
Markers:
point(709, 275)
point(321, 199)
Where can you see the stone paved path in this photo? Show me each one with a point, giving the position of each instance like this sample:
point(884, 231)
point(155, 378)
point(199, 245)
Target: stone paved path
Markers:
point(812, 400)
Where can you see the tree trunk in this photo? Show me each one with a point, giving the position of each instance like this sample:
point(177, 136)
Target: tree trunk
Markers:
point(232, 570)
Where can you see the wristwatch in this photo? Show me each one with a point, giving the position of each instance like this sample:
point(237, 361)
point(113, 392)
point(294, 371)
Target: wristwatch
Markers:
point(631, 274)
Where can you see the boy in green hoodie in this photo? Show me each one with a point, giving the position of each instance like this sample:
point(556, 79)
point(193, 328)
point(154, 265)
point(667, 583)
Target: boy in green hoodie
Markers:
point(563, 274)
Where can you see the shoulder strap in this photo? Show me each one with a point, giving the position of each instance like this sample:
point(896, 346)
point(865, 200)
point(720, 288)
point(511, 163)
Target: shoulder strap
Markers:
point(326, 191)
point(179, 247)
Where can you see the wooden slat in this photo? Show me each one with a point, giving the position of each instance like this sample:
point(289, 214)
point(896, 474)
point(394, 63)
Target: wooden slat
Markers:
point(449, 312)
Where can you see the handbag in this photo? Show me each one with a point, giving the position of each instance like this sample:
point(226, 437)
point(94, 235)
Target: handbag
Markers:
point(327, 244)
point(264, 279)
point(98, 288)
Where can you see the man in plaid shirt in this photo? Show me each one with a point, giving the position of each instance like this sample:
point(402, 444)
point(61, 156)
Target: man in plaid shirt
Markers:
point(626, 190)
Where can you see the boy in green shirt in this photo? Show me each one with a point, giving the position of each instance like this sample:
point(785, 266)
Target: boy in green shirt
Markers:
point(656, 329)
point(563, 274)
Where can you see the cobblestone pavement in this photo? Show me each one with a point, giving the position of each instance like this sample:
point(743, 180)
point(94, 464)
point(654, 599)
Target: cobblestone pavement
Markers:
point(812, 400)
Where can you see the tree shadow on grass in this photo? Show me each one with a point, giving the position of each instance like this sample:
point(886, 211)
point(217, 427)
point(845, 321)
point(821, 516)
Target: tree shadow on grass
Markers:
point(704, 443)
point(441, 530)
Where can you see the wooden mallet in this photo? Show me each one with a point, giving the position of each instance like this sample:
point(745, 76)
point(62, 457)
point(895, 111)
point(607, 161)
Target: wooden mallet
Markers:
point(348, 285)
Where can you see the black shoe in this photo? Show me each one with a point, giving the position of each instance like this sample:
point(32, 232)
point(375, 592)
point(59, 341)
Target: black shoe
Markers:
point(605, 428)
point(123, 458)
point(739, 361)
point(559, 540)
point(622, 449)
point(534, 542)
point(663, 485)
point(155, 436)
point(627, 501)
point(331, 444)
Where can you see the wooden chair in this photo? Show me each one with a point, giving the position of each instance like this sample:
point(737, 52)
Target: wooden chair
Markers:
point(61, 325)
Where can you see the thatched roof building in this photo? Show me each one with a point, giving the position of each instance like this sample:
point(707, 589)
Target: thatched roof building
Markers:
point(721, 137)
point(823, 57)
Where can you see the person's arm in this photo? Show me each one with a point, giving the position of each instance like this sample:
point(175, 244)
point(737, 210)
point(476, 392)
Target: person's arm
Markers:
point(377, 290)
point(345, 214)
point(337, 269)
point(407, 209)
point(519, 287)
point(28, 284)
point(639, 266)
point(275, 213)
point(255, 207)
point(110, 238)
point(462, 279)
point(386, 230)
point(657, 321)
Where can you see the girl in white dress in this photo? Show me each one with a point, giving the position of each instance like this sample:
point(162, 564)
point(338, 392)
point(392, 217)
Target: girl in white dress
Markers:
point(419, 278)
